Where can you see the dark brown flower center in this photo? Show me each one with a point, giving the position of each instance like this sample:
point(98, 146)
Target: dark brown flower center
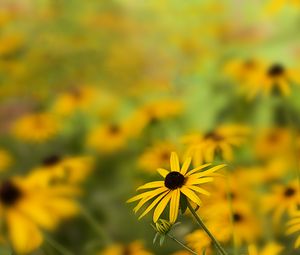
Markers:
point(9, 193)
point(174, 180)
point(289, 192)
point(51, 160)
point(276, 70)
point(126, 250)
point(214, 136)
point(237, 217)
point(114, 129)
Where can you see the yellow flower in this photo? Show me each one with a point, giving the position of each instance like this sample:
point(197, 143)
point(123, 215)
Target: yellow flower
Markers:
point(284, 198)
point(35, 127)
point(156, 156)
point(177, 182)
point(270, 248)
point(27, 207)
point(78, 98)
point(273, 142)
point(204, 148)
point(71, 170)
point(294, 226)
point(276, 78)
point(245, 72)
point(134, 248)
point(5, 160)
point(108, 138)
point(199, 241)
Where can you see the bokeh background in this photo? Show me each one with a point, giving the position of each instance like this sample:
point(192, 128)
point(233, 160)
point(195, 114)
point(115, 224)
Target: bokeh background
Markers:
point(115, 85)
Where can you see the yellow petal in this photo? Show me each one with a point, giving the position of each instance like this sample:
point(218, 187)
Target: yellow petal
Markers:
point(162, 172)
point(151, 185)
point(144, 194)
point(146, 199)
point(24, 234)
point(191, 195)
point(186, 165)
point(193, 181)
point(199, 190)
point(161, 206)
point(174, 205)
point(197, 169)
point(154, 203)
point(174, 162)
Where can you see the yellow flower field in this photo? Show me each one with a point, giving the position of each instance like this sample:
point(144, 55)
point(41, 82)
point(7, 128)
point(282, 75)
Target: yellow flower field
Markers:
point(132, 127)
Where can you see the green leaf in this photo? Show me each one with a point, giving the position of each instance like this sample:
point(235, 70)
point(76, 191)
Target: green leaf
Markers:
point(204, 251)
point(155, 238)
point(162, 240)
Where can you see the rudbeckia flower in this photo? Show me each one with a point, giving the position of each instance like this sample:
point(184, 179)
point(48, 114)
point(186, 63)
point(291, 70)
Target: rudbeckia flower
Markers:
point(156, 156)
point(78, 98)
point(284, 198)
point(27, 207)
point(275, 78)
point(134, 248)
point(35, 127)
point(68, 170)
point(108, 138)
point(221, 141)
point(271, 248)
point(177, 182)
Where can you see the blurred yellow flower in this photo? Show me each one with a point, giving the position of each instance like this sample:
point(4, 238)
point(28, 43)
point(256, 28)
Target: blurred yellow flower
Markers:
point(5, 160)
point(158, 155)
point(35, 127)
point(270, 248)
point(63, 170)
point(77, 98)
point(134, 248)
point(177, 182)
point(219, 142)
point(199, 241)
point(282, 199)
point(27, 207)
point(108, 138)
point(9, 44)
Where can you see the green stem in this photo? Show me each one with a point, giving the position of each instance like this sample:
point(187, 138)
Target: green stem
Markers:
point(202, 225)
point(181, 244)
point(96, 226)
point(57, 246)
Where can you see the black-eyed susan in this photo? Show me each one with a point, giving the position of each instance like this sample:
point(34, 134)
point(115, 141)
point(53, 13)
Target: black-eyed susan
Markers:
point(133, 248)
point(282, 199)
point(67, 170)
point(293, 226)
point(276, 78)
point(177, 182)
point(275, 6)
point(273, 142)
point(219, 142)
point(27, 207)
point(270, 248)
point(35, 127)
point(156, 156)
point(199, 242)
point(5, 160)
point(108, 138)
point(77, 98)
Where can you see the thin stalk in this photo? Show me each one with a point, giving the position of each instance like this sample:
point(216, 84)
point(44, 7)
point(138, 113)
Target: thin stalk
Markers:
point(203, 226)
point(57, 246)
point(181, 244)
point(95, 225)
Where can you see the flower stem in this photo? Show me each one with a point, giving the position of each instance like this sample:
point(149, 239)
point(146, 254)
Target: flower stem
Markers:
point(57, 246)
point(181, 244)
point(202, 225)
point(96, 226)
